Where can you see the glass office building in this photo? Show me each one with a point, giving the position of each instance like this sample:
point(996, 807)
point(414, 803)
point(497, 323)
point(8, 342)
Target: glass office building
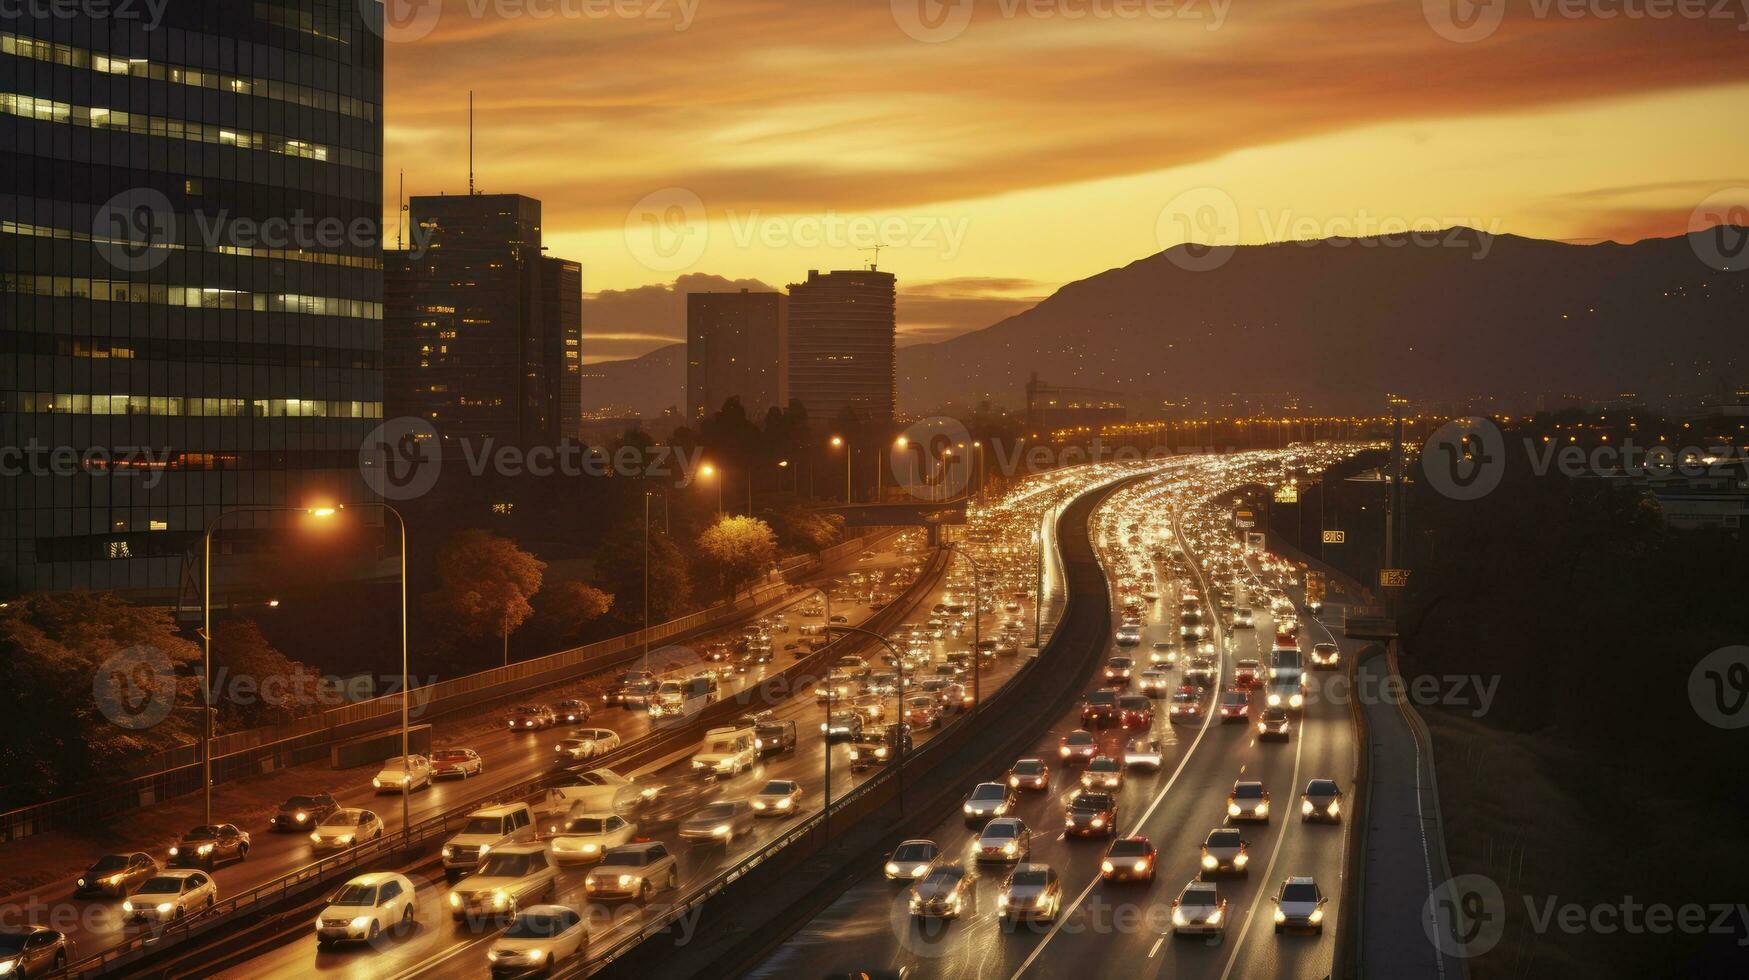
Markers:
point(190, 281)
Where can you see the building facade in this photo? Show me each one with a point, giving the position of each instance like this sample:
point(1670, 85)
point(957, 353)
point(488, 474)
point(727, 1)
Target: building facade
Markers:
point(483, 334)
point(191, 281)
point(737, 346)
point(842, 345)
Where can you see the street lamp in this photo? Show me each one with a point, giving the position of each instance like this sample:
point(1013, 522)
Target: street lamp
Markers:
point(839, 443)
point(709, 472)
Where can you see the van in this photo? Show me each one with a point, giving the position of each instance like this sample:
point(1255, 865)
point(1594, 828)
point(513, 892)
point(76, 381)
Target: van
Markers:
point(484, 830)
point(727, 751)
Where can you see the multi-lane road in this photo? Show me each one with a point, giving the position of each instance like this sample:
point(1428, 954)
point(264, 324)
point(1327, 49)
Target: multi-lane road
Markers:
point(1119, 929)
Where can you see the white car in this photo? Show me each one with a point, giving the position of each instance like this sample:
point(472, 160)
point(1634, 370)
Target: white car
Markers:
point(539, 938)
point(366, 907)
point(171, 895)
point(1143, 751)
point(510, 878)
point(585, 837)
point(779, 798)
point(1300, 905)
point(587, 743)
point(344, 828)
point(403, 777)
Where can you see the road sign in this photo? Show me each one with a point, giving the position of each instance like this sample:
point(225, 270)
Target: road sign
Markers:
point(1244, 518)
point(1288, 494)
point(1393, 578)
point(1335, 537)
point(1254, 542)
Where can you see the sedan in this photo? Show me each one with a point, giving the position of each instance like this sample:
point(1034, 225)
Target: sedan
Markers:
point(507, 880)
point(345, 828)
point(922, 712)
point(1031, 891)
point(1030, 774)
point(1201, 672)
point(403, 776)
point(718, 823)
point(1078, 746)
point(538, 938)
point(1300, 905)
point(1135, 711)
point(207, 845)
point(779, 798)
point(988, 801)
point(1247, 674)
point(1248, 801)
point(1224, 851)
point(1004, 839)
point(942, 893)
point(1273, 724)
point(585, 837)
point(1091, 815)
point(32, 951)
point(587, 743)
point(1099, 708)
point(115, 874)
point(573, 711)
point(1143, 752)
point(1129, 859)
point(303, 812)
point(171, 895)
point(1117, 671)
point(1322, 801)
point(366, 907)
point(1186, 704)
point(1199, 910)
point(530, 717)
point(460, 763)
point(1326, 656)
point(911, 860)
point(1103, 773)
point(1163, 653)
point(1235, 705)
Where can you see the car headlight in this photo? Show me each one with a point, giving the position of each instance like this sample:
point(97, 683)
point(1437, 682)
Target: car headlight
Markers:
point(206, 849)
point(500, 899)
point(484, 848)
point(1275, 700)
point(1334, 807)
point(361, 922)
point(1064, 750)
point(127, 906)
point(626, 879)
point(784, 804)
point(1241, 860)
point(455, 899)
point(1296, 701)
point(1317, 915)
point(447, 850)
point(1008, 849)
point(1280, 916)
point(1107, 867)
point(316, 838)
point(302, 816)
point(892, 868)
point(1098, 822)
point(1306, 808)
point(720, 830)
point(758, 804)
point(1232, 809)
point(165, 907)
point(175, 851)
point(1141, 865)
point(968, 809)
point(377, 783)
point(1263, 808)
point(1178, 918)
point(343, 839)
point(1209, 861)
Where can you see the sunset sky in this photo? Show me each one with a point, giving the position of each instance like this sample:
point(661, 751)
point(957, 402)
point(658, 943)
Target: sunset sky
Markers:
point(1001, 148)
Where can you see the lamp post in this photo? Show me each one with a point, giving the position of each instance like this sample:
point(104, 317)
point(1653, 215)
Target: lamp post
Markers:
point(839, 443)
point(709, 472)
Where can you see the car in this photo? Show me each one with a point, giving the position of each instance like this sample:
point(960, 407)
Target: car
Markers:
point(1286, 692)
point(1326, 656)
point(634, 871)
point(1129, 859)
point(1030, 774)
point(1031, 891)
point(538, 939)
point(1004, 839)
point(1128, 636)
point(1163, 652)
point(1118, 670)
point(1247, 674)
point(1104, 772)
point(1322, 801)
point(207, 845)
point(32, 951)
point(1202, 672)
point(1098, 709)
point(1143, 752)
point(841, 725)
point(987, 801)
point(1224, 851)
point(1299, 905)
point(1235, 705)
point(586, 743)
point(115, 875)
point(772, 736)
point(344, 828)
point(530, 718)
point(1248, 801)
point(171, 895)
point(303, 812)
point(1135, 711)
point(869, 706)
point(718, 823)
point(717, 653)
point(778, 798)
point(911, 860)
point(1078, 746)
point(1200, 910)
point(1273, 724)
point(632, 689)
point(879, 746)
point(1091, 815)
point(486, 830)
point(584, 837)
point(460, 763)
point(508, 879)
point(365, 908)
point(402, 775)
point(942, 893)
point(1155, 683)
point(1244, 618)
point(571, 711)
point(922, 711)
point(1186, 704)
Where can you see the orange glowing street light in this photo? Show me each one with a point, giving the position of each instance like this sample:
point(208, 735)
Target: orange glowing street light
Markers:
point(839, 443)
point(709, 472)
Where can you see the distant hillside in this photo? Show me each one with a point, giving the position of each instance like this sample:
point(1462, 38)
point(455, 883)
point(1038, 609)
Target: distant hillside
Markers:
point(646, 385)
point(1342, 321)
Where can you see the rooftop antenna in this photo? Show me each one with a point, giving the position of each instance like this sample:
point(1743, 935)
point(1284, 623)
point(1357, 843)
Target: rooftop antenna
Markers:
point(874, 263)
point(471, 143)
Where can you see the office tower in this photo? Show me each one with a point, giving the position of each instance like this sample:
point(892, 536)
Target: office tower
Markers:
point(737, 345)
point(478, 324)
point(191, 284)
point(841, 343)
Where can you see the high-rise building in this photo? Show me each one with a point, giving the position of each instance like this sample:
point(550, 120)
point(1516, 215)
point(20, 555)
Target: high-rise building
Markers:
point(737, 346)
point(841, 345)
point(483, 334)
point(190, 284)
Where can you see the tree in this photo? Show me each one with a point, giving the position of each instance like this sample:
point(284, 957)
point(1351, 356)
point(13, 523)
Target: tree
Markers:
point(804, 530)
point(741, 548)
point(254, 683)
point(485, 583)
point(565, 606)
point(620, 562)
point(93, 686)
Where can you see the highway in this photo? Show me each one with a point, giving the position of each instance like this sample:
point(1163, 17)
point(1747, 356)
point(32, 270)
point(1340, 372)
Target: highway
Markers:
point(1118, 930)
point(512, 758)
